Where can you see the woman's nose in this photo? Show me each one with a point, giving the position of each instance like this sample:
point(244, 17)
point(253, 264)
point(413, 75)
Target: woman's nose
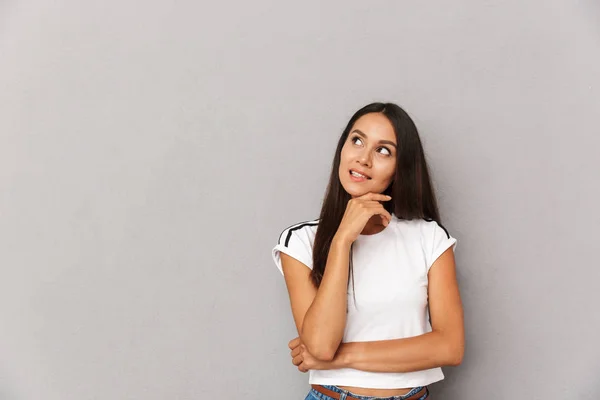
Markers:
point(364, 159)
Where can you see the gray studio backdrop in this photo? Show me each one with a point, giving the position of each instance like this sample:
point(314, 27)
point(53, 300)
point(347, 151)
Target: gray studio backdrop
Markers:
point(151, 153)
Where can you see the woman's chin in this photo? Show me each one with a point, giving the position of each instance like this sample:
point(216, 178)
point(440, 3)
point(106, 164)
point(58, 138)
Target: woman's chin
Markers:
point(356, 189)
point(356, 192)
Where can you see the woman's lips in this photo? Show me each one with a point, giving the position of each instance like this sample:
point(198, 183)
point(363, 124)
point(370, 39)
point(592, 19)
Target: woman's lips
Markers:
point(356, 178)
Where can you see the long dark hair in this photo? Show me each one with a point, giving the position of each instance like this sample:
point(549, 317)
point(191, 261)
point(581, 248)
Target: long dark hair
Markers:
point(411, 189)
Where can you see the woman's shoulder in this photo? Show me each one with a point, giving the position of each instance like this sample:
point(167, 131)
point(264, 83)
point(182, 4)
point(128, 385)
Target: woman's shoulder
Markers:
point(304, 229)
point(419, 222)
point(414, 223)
point(433, 225)
point(422, 226)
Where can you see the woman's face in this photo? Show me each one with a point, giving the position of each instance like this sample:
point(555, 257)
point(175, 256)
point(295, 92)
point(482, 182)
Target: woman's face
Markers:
point(370, 149)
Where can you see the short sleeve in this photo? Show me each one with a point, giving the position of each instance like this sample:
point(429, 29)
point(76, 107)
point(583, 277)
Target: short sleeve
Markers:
point(295, 242)
point(438, 241)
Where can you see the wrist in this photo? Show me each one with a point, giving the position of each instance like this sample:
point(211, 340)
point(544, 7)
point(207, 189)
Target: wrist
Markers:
point(340, 241)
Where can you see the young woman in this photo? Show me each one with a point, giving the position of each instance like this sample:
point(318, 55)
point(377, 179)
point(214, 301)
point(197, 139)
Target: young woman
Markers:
point(389, 333)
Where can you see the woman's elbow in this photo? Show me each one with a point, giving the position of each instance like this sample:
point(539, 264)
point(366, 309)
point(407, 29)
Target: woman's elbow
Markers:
point(321, 352)
point(457, 359)
point(455, 353)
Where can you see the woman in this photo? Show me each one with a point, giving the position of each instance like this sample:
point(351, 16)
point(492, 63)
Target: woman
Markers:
point(390, 332)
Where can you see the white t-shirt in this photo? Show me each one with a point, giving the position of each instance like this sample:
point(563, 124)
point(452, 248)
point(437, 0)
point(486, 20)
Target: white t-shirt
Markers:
point(390, 286)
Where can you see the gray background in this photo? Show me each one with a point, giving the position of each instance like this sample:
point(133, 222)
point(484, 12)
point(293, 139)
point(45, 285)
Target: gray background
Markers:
point(152, 152)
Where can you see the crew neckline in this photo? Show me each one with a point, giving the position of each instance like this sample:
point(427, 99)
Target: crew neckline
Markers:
point(381, 232)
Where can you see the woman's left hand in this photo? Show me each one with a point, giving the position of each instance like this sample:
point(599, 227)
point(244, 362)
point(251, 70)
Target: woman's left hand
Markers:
point(303, 359)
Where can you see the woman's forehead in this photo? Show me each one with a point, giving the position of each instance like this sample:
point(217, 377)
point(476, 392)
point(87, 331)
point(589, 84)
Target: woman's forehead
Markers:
point(375, 126)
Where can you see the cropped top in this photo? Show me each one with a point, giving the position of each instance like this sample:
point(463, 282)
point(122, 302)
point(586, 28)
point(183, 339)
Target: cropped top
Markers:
point(390, 287)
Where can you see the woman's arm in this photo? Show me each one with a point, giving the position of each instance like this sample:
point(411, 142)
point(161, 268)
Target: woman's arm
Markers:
point(443, 346)
point(325, 320)
point(396, 355)
point(320, 314)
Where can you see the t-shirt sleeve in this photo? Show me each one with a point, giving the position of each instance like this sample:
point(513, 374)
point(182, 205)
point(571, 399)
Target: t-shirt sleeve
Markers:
point(295, 243)
point(438, 241)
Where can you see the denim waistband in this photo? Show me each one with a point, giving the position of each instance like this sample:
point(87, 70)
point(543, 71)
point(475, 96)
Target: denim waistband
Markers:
point(399, 397)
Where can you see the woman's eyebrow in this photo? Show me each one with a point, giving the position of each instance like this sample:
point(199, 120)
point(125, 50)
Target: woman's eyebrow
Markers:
point(381, 141)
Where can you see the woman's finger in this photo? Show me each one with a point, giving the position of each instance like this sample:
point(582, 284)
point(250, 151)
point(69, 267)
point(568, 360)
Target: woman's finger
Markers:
point(297, 360)
point(378, 209)
point(294, 342)
point(295, 351)
point(375, 196)
point(301, 368)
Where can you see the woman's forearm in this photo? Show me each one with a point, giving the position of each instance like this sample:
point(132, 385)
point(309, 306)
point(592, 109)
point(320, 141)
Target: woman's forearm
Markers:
point(429, 350)
point(325, 320)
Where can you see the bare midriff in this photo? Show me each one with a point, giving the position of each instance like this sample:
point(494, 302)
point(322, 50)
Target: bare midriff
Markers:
point(375, 392)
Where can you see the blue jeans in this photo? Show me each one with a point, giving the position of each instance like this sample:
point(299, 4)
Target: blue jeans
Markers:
point(314, 395)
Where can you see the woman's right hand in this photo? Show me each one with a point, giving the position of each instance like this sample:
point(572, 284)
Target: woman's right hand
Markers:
point(358, 212)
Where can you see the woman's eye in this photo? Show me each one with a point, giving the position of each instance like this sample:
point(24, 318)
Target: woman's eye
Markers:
point(386, 149)
point(355, 138)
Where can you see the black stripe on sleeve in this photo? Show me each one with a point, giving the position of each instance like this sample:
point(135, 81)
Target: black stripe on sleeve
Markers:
point(441, 226)
point(445, 230)
point(294, 227)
